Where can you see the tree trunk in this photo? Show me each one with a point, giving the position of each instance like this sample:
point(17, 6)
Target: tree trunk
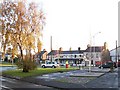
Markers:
point(21, 52)
point(4, 50)
point(25, 67)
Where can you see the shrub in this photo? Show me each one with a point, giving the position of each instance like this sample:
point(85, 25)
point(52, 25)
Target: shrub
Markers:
point(26, 65)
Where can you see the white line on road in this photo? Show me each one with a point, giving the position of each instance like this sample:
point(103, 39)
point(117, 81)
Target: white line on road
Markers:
point(6, 87)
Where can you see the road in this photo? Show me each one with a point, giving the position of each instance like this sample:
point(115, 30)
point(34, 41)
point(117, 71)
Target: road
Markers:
point(11, 84)
point(7, 68)
point(109, 80)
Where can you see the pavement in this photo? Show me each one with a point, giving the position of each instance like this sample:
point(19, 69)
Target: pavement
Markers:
point(94, 72)
point(102, 78)
point(87, 74)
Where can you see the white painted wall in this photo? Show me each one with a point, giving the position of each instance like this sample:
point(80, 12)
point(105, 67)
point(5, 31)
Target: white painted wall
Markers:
point(65, 56)
point(94, 58)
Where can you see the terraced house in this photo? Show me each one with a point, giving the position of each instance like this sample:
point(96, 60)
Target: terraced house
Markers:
point(93, 54)
point(41, 56)
point(72, 56)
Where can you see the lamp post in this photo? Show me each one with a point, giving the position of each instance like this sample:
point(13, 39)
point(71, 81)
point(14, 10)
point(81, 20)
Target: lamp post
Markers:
point(91, 50)
point(94, 42)
point(51, 47)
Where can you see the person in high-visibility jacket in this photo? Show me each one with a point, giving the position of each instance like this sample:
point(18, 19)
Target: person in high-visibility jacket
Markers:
point(67, 64)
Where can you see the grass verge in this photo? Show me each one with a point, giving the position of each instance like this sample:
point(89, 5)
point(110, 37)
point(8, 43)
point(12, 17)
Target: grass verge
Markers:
point(38, 71)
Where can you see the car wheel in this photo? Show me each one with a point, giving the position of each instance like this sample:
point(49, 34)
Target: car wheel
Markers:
point(43, 66)
point(53, 66)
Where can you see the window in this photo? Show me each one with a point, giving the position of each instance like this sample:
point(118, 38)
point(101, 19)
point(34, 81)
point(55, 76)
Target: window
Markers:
point(91, 61)
point(53, 63)
point(61, 56)
point(92, 55)
point(66, 56)
point(87, 55)
point(97, 56)
point(47, 62)
point(75, 56)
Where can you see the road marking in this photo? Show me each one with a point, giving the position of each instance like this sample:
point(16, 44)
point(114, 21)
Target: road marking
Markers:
point(5, 80)
point(6, 87)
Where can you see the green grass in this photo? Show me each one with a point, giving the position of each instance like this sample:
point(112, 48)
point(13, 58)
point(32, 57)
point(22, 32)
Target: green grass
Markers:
point(38, 71)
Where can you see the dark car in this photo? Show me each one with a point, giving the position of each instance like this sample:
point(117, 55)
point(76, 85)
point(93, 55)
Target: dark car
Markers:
point(107, 65)
point(118, 63)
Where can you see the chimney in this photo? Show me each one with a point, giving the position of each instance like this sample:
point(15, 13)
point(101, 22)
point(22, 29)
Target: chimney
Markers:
point(79, 49)
point(60, 49)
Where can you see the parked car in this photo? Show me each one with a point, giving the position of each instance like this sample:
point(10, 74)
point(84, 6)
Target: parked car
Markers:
point(118, 63)
point(108, 65)
point(81, 64)
point(62, 64)
point(98, 63)
point(50, 65)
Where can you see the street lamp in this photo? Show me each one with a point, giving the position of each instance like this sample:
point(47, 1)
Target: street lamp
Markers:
point(94, 42)
point(91, 50)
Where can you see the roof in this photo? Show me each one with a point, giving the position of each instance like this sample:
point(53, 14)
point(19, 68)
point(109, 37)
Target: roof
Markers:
point(72, 52)
point(41, 53)
point(115, 48)
point(68, 59)
point(94, 49)
point(54, 52)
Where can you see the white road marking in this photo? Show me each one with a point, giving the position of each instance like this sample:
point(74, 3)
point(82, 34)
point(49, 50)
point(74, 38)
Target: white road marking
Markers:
point(6, 87)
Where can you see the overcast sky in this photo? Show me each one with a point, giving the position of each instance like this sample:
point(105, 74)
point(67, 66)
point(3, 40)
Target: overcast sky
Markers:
point(71, 23)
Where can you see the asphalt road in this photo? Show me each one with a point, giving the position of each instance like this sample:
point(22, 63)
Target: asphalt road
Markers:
point(109, 80)
point(13, 84)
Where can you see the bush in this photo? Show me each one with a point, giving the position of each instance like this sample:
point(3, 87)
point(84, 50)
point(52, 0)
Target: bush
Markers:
point(26, 65)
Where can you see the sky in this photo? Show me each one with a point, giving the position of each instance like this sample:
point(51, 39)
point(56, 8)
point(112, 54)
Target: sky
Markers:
point(77, 23)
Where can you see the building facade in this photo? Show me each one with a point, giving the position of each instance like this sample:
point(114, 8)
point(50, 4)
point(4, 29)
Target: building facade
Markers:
point(41, 57)
point(93, 54)
point(73, 56)
point(115, 54)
